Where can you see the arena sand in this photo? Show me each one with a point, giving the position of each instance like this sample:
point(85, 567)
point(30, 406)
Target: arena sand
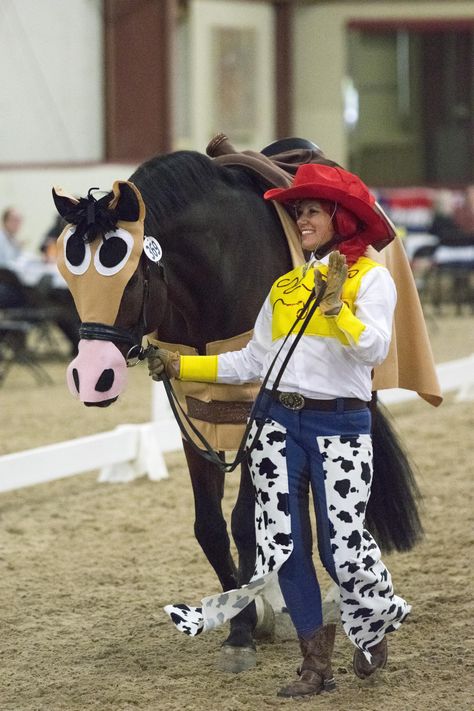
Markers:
point(85, 569)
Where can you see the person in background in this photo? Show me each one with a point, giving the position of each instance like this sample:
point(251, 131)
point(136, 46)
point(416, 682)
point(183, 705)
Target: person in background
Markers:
point(67, 319)
point(11, 293)
point(454, 255)
point(48, 245)
point(317, 424)
point(454, 225)
point(463, 215)
point(10, 246)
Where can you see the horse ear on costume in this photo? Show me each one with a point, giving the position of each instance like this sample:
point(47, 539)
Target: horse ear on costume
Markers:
point(63, 201)
point(127, 202)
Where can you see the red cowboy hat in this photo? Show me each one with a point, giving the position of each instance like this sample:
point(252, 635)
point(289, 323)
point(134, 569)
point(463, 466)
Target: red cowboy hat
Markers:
point(324, 182)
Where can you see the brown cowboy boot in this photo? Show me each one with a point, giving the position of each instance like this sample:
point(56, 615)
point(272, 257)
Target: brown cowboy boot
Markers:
point(363, 668)
point(315, 672)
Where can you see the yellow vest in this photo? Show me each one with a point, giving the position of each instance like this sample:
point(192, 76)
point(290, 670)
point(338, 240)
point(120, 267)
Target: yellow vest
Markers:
point(290, 292)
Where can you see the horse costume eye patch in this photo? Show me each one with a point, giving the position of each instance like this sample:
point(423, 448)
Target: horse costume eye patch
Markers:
point(114, 252)
point(77, 253)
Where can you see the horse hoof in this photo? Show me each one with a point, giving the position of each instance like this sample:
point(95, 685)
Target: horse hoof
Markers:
point(236, 659)
point(265, 627)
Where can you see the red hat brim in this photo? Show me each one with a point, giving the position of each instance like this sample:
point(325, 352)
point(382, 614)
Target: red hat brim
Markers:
point(378, 228)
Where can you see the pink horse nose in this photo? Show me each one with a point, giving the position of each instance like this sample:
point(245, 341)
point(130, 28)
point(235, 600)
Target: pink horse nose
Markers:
point(98, 374)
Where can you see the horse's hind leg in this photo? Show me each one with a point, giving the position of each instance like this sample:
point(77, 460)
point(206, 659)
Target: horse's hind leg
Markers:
point(210, 529)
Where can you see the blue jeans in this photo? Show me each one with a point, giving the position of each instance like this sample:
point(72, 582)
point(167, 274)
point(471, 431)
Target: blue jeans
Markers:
point(297, 576)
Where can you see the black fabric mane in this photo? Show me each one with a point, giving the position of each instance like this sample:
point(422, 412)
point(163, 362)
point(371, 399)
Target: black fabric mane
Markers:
point(169, 183)
point(92, 217)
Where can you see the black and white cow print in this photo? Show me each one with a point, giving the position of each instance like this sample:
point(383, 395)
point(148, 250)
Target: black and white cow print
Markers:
point(369, 608)
point(273, 532)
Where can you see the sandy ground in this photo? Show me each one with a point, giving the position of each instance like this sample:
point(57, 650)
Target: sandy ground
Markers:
point(85, 569)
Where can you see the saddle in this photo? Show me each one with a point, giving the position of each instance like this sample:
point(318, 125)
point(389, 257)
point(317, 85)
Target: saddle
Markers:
point(276, 164)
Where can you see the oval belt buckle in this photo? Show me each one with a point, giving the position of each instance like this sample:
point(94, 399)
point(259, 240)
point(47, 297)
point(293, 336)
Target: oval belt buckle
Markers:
point(292, 401)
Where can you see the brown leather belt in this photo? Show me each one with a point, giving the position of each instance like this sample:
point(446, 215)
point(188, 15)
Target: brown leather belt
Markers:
point(295, 401)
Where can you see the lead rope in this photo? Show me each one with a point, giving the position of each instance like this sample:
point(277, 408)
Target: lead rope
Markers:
point(243, 452)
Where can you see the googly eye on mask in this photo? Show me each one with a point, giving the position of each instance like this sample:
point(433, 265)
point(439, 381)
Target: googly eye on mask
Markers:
point(113, 253)
point(77, 253)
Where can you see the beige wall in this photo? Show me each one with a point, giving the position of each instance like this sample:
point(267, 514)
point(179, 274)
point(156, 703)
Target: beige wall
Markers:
point(320, 61)
point(252, 93)
point(51, 105)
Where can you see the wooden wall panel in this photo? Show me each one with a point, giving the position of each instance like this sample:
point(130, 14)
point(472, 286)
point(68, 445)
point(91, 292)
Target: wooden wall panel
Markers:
point(138, 59)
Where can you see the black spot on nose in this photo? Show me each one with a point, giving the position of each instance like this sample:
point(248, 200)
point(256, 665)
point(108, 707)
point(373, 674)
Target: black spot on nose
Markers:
point(102, 403)
point(75, 377)
point(105, 381)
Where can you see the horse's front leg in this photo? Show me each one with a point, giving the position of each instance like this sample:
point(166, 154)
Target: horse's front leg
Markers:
point(210, 528)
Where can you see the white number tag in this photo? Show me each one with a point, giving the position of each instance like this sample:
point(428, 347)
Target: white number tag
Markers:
point(152, 248)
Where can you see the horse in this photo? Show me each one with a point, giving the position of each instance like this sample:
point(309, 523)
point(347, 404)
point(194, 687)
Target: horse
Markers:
point(187, 248)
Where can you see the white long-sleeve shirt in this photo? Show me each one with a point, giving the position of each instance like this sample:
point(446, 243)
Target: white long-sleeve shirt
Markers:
point(324, 365)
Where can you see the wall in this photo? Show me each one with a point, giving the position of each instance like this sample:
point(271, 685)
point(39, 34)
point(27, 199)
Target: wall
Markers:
point(51, 79)
point(51, 104)
point(225, 80)
point(321, 57)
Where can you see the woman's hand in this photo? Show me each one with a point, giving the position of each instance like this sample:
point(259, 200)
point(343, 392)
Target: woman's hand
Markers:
point(162, 361)
point(331, 302)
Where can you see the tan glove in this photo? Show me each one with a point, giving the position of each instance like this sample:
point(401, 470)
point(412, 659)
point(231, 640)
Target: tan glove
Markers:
point(162, 361)
point(331, 302)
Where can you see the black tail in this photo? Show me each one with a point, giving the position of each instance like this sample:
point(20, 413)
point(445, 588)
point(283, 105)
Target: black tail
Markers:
point(392, 512)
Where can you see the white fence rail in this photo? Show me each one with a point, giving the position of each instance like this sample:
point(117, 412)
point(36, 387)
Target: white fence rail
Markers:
point(131, 451)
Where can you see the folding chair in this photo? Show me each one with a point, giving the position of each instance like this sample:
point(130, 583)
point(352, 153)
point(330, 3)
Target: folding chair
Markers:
point(19, 317)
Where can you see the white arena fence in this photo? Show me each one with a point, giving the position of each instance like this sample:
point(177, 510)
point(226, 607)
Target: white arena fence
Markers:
point(131, 451)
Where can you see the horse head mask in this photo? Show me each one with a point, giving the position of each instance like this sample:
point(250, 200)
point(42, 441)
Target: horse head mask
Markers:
point(98, 253)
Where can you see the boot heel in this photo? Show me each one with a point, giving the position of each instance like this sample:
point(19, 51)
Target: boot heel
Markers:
point(329, 684)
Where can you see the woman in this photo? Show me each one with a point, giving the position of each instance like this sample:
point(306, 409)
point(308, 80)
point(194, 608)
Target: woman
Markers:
point(316, 432)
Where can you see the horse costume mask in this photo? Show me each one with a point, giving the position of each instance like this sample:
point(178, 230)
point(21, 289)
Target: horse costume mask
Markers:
point(98, 252)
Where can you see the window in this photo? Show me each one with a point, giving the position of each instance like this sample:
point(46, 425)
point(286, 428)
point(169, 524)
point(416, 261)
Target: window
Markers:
point(409, 103)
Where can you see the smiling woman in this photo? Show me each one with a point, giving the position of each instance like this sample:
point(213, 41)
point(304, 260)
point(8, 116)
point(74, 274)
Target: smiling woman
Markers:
point(311, 429)
point(314, 220)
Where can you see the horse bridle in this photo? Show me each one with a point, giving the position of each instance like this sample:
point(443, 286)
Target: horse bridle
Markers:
point(133, 337)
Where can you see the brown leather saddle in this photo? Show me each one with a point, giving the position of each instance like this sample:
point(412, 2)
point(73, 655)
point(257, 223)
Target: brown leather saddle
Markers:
point(277, 163)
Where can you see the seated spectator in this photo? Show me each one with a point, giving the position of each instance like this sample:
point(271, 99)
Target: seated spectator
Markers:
point(454, 226)
point(454, 257)
point(10, 246)
point(11, 294)
point(68, 321)
point(48, 245)
point(464, 217)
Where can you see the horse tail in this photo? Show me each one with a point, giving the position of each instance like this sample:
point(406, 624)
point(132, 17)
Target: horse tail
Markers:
point(392, 514)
